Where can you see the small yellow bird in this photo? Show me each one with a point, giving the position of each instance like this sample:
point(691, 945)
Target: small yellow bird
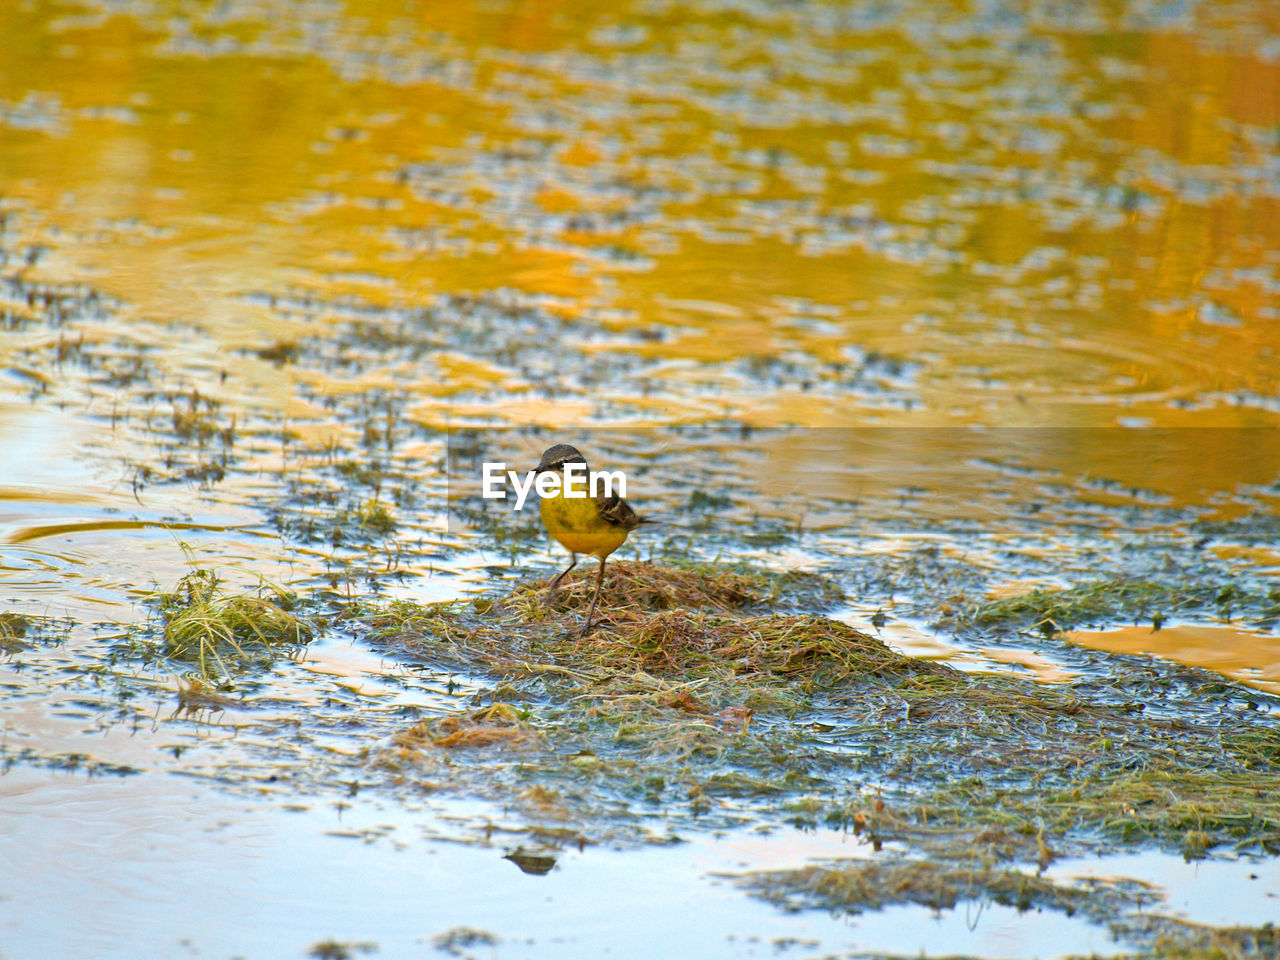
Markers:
point(584, 524)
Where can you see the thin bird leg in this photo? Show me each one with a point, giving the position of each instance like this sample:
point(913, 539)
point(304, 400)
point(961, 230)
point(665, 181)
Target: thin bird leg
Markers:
point(551, 590)
point(599, 583)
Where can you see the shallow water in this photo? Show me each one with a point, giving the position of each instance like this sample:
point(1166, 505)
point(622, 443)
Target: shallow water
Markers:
point(942, 302)
point(287, 883)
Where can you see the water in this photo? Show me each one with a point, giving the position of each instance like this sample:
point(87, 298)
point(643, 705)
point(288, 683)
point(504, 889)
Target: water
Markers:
point(942, 302)
point(191, 875)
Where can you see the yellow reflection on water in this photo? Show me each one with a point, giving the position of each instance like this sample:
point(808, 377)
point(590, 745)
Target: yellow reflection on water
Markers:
point(1039, 667)
point(816, 215)
point(1249, 656)
point(1060, 225)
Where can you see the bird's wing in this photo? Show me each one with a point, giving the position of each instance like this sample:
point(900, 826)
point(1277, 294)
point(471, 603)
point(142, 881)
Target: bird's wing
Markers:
point(616, 511)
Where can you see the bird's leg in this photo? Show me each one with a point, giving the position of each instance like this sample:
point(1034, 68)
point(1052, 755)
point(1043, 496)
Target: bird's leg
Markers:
point(551, 590)
point(599, 583)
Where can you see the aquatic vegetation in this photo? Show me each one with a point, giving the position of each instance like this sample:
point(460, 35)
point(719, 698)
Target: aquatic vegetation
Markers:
point(1100, 602)
point(1121, 906)
point(688, 621)
point(214, 629)
point(1164, 799)
point(21, 631)
point(458, 940)
point(855, 887)
point(340, 949)
point(67, 762)
point(726, 587)
point(687, 693)
point(363, 521)
point(195, 418)
point(498, 724)
point(1179, 940)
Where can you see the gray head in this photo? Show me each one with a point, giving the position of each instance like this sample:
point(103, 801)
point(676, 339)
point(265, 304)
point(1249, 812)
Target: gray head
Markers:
point(556, 457)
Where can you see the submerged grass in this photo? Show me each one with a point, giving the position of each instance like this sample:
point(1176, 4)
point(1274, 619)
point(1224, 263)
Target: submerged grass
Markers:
point(684, 693)
point(1172, 939)
point(20, 632)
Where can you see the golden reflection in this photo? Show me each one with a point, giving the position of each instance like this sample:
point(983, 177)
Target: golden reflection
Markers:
point(563, 214)
point(577, 156)
point(1041, 668)
point(1251, 657)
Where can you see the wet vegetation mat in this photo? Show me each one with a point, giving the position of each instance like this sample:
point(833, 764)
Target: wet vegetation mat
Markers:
point(703, 697)
point(857, 887)
point(1117, 600)
point(1117, 905)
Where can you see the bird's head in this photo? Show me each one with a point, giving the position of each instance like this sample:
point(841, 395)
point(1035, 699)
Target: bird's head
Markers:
point(556, 457)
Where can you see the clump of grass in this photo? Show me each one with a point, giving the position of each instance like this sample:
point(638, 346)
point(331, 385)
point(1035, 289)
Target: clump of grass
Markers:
point(195, 417)
point(374, 517)
point(636, 588)
point(458, 940)
point(208, 626)
point(361, 522)
point(662, 621)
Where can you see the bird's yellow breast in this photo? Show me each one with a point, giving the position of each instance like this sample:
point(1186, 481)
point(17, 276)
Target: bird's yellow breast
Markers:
point(576, 523)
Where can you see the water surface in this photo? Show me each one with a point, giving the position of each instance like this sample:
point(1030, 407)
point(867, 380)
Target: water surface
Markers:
point(963, 300)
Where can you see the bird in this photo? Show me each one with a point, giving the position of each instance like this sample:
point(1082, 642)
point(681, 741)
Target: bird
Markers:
point(596, 526)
